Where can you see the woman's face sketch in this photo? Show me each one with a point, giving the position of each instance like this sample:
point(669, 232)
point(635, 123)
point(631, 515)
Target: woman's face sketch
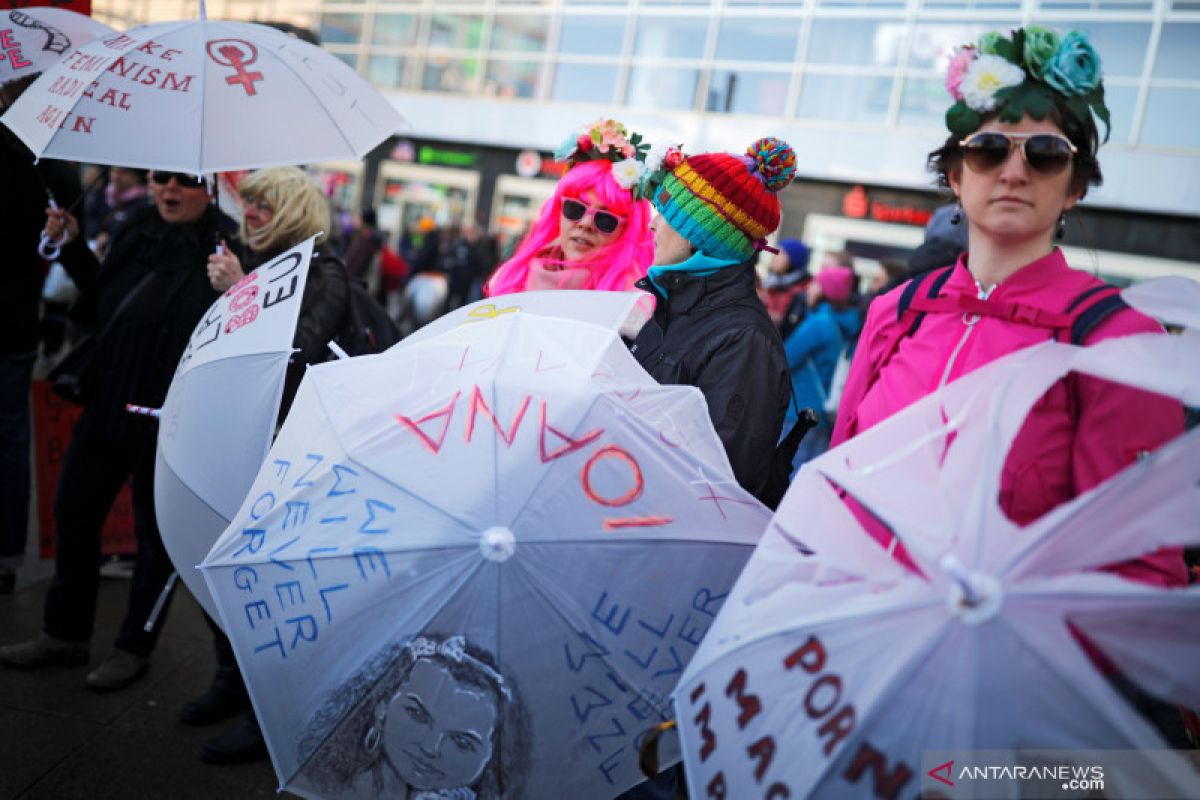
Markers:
point(438, 733)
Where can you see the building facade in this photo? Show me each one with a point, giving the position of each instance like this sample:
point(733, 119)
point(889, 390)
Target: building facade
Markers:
point(491, 88)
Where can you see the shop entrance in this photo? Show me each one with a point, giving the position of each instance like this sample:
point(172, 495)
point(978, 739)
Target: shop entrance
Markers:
point(405, 194)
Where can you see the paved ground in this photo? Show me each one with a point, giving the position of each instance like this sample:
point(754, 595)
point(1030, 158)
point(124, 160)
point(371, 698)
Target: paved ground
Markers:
point(60, 741)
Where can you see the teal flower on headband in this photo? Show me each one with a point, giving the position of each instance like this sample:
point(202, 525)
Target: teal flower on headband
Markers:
point(1041, 45)
point(1023, 75)
point(1075, 68)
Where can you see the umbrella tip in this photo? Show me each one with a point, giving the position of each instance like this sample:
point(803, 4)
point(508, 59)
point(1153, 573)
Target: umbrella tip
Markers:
point(974, 597)
point(497, 544)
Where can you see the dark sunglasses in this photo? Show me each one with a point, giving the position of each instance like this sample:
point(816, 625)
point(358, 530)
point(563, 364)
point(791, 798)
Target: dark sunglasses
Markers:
point(605, 221)
point(1045, 153)
point(186, 181)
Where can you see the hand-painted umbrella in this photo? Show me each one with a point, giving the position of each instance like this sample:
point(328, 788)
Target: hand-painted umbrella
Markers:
point(33, 39)
point(201, 96)
point(478, 563)
point(833, 669)
point(216, 424)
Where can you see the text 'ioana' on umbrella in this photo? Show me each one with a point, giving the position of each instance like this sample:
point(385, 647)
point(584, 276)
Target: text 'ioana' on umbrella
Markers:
point(432, 428)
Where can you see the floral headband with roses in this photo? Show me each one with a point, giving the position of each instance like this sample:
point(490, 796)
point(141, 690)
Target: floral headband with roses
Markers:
point(1018, 75)
point(637, 166)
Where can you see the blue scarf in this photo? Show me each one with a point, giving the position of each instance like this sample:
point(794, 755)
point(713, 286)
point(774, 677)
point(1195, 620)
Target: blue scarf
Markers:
point(699, 265)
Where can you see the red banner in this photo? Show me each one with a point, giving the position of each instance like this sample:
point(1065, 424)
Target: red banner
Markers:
point(53, 421)
point(79, 6)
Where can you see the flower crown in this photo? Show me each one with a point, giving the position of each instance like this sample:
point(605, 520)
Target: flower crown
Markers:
point(1018, 75)
point(636, 166)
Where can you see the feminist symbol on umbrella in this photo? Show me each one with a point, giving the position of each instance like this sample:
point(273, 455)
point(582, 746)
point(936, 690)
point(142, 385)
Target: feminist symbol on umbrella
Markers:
point(238, 54)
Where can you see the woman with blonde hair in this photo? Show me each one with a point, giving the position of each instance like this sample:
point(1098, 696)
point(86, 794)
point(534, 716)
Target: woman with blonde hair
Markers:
point(281, 207)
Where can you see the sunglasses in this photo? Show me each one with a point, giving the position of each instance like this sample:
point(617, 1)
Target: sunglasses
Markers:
point(1044, 153)
point(186, 181)
point(605, 221)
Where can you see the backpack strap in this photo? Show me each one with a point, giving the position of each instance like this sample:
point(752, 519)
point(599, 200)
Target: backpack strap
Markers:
point(910, 292)
point(1091, 315)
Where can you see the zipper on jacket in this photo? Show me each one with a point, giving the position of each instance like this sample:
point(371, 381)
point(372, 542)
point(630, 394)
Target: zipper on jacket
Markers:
point(969, 320)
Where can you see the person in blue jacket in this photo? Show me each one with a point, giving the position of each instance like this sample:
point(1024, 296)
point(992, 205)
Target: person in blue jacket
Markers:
point(831, 324)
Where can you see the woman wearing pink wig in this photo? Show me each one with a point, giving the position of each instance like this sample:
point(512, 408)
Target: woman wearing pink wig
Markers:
point(594, 232)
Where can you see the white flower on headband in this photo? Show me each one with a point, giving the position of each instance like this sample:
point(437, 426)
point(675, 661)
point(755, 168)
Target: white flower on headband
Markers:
point(627, 173)
point(985, 76)
point(654, 159)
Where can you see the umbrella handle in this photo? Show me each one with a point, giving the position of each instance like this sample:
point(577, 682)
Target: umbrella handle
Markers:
point(47, 247)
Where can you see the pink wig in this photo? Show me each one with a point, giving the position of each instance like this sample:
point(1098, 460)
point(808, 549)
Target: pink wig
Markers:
point(614, 267)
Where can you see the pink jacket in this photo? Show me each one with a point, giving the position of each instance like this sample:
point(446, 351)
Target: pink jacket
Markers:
point(1081, 432)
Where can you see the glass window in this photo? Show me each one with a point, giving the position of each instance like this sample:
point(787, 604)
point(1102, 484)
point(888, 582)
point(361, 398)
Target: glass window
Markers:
point(852, 41)
point(1172, 118)
point(1177, 50)
point(446, 74)
point(386, 72)
point(671, 37)
point(394, 29)
point(747, 92)
point(591, 35)
point(933, 43)
point(758, 39)
point(349, 58)
point(861, 3)
point(512, 78)
point(849, 98)
point(525, 33)
point(341, 28)
point(463, 31)
point(923, 103)
point(584, 83)
point(659, 87)
point(1121, 102)
point(1121, 45)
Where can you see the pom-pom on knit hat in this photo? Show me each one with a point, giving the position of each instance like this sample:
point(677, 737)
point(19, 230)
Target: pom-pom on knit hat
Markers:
point(726, 205)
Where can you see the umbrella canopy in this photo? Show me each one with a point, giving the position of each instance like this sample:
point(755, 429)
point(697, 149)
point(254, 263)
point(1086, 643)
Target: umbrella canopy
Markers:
point(854, 665)
point(215, 426)
point(478, 563)
point(32, 39)
point(201, 96)
point(607, 309)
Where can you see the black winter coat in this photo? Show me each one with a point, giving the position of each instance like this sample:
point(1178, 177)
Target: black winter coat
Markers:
point(323, 315)
point(137, 355)
point(714, 333)
point(22, 216)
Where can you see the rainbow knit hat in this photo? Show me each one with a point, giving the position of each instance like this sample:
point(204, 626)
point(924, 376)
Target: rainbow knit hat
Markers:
point(726, 205)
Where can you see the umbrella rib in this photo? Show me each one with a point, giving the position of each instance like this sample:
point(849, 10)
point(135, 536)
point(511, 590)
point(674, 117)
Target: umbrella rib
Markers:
point(1073, 685)
point(342, 444)
point(190, 491)
point(854, 615)
point(534, 491)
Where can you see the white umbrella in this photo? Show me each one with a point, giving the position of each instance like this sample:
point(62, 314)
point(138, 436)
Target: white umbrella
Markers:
point(479, 562)
point(830, 651)
point(215, 426)
point(32, 39)
point(201, 96)
point(609, 310)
